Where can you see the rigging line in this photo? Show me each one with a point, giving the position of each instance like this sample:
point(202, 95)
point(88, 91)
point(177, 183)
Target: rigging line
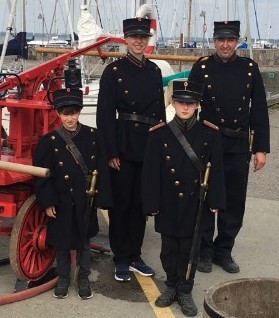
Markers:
point(256, 17)
point(159, 21)
point(99, 15)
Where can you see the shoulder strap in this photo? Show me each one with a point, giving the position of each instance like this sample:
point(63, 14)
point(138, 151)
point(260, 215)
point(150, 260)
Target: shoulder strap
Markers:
point(73, 150)
point(186, 146)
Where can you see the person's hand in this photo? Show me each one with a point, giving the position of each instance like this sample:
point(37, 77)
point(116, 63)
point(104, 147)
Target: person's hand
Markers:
point(259, 160)
point(50, 212)
point(114, 163)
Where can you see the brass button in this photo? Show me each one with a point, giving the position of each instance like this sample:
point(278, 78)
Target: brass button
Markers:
point(92, 157)
point(172, 170)
point(136, 124)
point(94, 143)
point(196, 181)
point(167, 157)
point(243, 97)
point(119, 80)
point(177, 183)
point(203, 66)
point(56, 150)
point(92, 130)
point(209, 86)
point(60, 163)
point(205, 143)
point(248, 85)
point(250, 74)
point(235, 121)
point(222, 120)
point(134, 113)
point(52, 137)
point(115, 68)
point(239, 109)
point(71, 190)
point(66, 177)
point(133, 103)
point(206, 76)
point(180, 194)
point(213, 98)
point(218, 109)
point(126, 92)
point(166, 145)
point(250, 64)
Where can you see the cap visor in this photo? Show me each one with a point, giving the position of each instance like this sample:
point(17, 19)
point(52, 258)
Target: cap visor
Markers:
point(187, 99)
point(225, 35)
point(137, 32)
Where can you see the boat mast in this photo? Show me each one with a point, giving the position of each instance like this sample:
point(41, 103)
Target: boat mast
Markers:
point(189, 22)
point(8, 31)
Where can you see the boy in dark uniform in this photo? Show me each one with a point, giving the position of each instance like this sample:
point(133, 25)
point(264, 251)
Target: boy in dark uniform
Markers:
point(234, 103)
point(130, 101)
point(171, 186)
point(63, 197)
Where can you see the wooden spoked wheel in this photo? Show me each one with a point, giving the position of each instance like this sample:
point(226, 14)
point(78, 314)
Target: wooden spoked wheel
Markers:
point(30, 257)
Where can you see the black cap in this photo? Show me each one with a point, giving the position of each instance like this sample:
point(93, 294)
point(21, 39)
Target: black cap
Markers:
point(226, 29)
point(67, 98)
point(185, 91)
point(136, 26)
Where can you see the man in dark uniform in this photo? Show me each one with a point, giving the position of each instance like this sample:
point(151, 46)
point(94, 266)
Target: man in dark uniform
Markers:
point(63, 196)
point(234, 103)
point(171, 189)
point(130, 101)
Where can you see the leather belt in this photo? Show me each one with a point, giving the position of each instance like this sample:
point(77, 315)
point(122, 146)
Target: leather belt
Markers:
point(138, 118)
point(233, 133)
point(227, 131)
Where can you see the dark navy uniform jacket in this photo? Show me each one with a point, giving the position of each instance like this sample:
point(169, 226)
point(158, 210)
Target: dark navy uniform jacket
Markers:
point(171, 184)
point(229, 89)
point(66, 187)
point(127, 87)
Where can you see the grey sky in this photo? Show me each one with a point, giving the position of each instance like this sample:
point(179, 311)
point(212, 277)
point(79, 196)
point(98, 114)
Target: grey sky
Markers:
point(173, 15)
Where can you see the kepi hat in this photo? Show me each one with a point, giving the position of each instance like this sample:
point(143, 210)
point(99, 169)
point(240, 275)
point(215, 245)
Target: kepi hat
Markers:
point(226, 29)
point(67, 98)
point(186, 91)
point(137, 26)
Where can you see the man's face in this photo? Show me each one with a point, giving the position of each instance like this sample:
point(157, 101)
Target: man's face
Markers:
point(225, 47)
point(137, 43)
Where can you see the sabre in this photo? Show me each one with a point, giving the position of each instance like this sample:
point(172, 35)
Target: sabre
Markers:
point(90, 200)
point(203, 190)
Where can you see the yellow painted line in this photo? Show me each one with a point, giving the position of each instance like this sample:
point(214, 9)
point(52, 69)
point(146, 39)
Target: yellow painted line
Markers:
point(149, 288)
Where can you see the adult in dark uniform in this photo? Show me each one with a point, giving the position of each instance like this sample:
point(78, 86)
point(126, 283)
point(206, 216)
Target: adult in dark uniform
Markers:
point(234, 103)
point(63, 195)
point(130, 101)
point(171, 187)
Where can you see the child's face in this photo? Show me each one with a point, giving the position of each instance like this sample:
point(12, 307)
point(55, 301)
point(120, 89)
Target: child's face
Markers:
point(69, 119)
point(184, 110)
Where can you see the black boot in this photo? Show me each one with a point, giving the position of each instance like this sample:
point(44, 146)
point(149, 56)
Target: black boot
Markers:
point(188, 307)
point(167, 297)
point(205, 265)
point(227, 263)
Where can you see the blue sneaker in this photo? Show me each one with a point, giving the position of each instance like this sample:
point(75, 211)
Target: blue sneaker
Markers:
point(122, 273)
point(140, 267)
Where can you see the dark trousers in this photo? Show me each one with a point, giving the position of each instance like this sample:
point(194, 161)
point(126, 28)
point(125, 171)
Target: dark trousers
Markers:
point(175, 252)
point(63, 259)
point(229, 221)
point(126, 219)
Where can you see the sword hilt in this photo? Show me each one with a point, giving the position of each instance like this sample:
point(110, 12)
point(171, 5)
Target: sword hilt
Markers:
point(92, 191)
point(204, 184)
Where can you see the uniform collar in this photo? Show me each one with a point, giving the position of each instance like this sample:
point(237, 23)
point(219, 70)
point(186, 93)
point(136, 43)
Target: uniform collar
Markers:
point(185, 124)
point(135, 61)
point(72, 133)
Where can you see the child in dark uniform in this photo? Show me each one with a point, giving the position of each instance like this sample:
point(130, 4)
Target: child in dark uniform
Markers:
point(63, 196)
point(171, 188)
